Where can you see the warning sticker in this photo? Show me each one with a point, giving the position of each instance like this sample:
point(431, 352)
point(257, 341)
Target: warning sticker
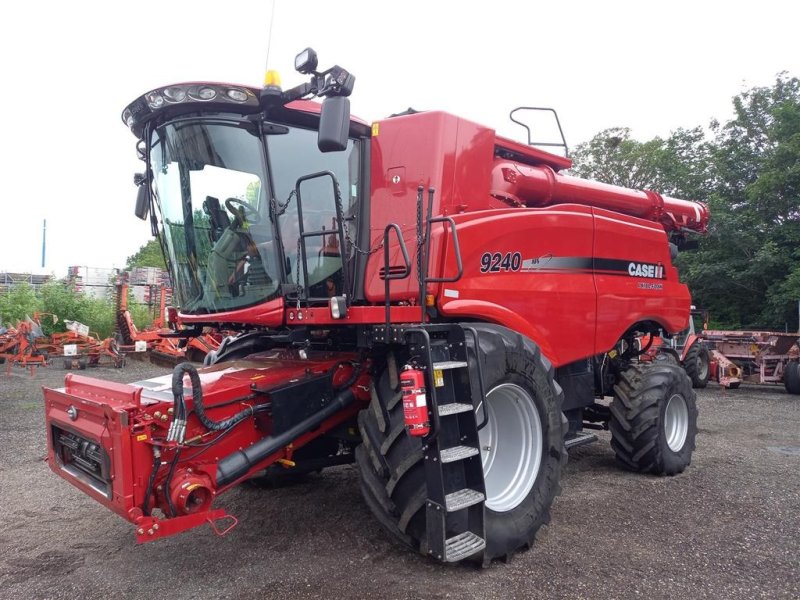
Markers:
point(438, 378)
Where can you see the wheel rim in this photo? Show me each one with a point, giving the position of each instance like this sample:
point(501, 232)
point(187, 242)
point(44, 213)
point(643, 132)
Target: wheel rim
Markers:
point(511, 446)
point(702, 366)
point(676, 422)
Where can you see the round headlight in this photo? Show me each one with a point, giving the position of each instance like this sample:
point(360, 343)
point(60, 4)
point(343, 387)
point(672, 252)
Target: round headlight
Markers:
point(174, 94)
point(237, 95)
point(205, 93)
point(127, 117)
point(154, 100)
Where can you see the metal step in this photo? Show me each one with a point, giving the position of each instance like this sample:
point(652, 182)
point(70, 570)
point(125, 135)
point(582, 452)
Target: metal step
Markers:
point(462, 545)
point(457, 453)
point(462, 499)
point(453, 408)
point(449, 364)
point(580, 439)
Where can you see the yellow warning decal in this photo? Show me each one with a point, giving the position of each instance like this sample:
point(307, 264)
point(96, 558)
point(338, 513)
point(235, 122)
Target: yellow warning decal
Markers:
point(438, 378)
point(375, 129)
point(141, 438)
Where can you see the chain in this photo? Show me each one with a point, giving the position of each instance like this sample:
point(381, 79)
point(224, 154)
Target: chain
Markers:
point(297, 271)
point(347, 237)
point(420, 242)
point(277, 208)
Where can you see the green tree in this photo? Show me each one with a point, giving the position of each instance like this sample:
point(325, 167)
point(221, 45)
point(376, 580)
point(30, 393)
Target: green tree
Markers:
point(61, 299)
point(747, 269)
point(675, 166)
point(19, 302)
point(148, 255)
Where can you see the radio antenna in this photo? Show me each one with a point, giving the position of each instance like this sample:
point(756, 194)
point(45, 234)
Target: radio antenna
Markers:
point(269, 38)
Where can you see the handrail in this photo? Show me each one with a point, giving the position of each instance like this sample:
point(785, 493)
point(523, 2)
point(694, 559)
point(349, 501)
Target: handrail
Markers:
point(337, 198)
point(387, 275)
point(424, 280)
point(456, 249)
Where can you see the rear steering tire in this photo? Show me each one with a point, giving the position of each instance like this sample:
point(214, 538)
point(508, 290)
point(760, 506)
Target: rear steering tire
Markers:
point(696, 365)
point(522, 465)
point(791, 377)
point(654, 419)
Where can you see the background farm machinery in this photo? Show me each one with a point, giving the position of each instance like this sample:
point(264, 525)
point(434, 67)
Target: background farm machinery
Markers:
point(755, 356)
point(165, 344)
point(26, 345)
point(731, 357)
point(20, 345)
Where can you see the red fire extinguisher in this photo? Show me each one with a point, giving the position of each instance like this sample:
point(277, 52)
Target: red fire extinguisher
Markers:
point(415, 403)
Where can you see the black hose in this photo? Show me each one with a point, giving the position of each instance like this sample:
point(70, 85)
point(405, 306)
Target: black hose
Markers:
point(238, 463)
point(197, 400)
point(151, 482)
point(358, 368)
point(168, 481)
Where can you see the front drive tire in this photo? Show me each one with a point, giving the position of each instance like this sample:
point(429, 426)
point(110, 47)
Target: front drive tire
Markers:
point(520, 381)
point(654, 419)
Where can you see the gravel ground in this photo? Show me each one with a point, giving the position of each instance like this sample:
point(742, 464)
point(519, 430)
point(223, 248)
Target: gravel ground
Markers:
point(726, 528)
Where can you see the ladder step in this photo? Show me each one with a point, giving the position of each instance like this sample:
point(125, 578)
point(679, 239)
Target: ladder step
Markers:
point(462, 545)
point(580, 439)
point(457, 453)
point(462, 499)
point(449, 364)
point(453, 408)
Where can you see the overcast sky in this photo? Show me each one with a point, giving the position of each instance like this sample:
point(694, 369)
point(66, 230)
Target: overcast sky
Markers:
point(69, 68)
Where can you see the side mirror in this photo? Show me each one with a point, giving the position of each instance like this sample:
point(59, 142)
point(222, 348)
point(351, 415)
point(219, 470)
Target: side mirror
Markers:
point(142, 199)
point(334, 124)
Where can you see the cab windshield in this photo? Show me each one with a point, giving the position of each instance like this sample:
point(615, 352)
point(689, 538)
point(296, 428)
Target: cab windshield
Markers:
point(218, 207)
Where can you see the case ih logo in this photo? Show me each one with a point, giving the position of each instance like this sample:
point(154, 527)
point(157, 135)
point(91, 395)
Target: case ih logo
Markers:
point(648, 270)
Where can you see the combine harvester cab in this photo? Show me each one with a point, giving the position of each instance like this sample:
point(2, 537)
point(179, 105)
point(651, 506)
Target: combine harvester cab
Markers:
point(438, 304)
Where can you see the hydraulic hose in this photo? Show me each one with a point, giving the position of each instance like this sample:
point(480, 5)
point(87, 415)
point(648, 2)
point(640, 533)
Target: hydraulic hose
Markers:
point(151, 481)
point(197, 402)
point(358, 368)
point(238, 463)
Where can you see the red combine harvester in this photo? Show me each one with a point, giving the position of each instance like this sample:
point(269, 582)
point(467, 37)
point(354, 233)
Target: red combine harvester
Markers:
point(439, 305)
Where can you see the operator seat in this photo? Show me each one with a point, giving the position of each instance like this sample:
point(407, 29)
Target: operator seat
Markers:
point(219, 217)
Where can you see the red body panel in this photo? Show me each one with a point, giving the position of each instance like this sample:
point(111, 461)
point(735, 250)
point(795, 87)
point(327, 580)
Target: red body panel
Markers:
point(573, 292)
point(622, 299)
point(562, 296)
point(268, 314)
point(552, 305)
point(430, 149)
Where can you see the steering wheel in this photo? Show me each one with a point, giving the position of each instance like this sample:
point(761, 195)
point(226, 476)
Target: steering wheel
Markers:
point(248, 210)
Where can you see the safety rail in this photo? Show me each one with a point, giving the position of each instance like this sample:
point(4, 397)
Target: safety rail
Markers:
point(388, 276)
point(424, 257)
point(304, 235)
